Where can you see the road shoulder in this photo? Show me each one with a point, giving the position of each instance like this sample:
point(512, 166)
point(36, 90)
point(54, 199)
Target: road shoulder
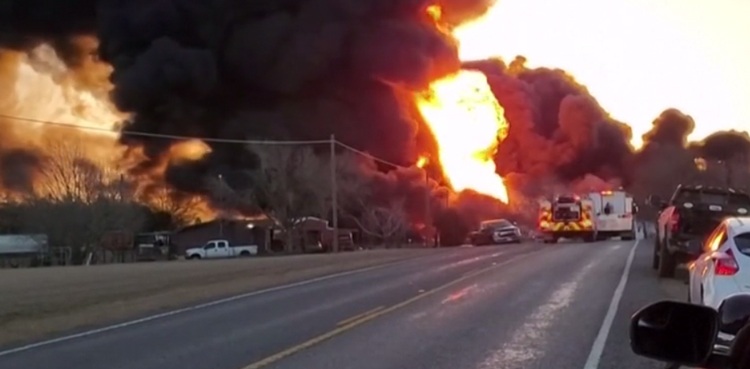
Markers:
point(642, 288)
point(45, 302)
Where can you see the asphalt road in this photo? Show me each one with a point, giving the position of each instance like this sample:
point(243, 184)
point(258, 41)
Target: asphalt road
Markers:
point(509, 306)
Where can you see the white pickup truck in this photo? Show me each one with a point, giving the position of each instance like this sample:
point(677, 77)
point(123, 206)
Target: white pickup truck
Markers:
point(220, 249)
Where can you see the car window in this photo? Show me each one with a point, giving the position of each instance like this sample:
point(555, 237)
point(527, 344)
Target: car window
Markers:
point(717, 198)
point(742, 241)
point(209, 246)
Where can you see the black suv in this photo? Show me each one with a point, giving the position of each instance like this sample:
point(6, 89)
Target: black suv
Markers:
point(496, 231)
point(687, 219)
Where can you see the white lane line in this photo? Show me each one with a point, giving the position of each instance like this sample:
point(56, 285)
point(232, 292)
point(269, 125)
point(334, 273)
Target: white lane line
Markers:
point(202, 306)
point(529, 341)
point(601, 338)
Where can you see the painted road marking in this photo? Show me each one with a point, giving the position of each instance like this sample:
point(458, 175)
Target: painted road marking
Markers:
point(359, 316)
point(208, 304)
point(601, 338)
point(346, 327)
point(223, 301)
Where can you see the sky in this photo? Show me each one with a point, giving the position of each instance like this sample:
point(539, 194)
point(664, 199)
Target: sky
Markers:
point(637, 57)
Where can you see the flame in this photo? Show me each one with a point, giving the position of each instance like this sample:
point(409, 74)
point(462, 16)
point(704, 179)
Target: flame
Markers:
point(41, 88)
point(435, 12)
point(468, 124)
point(421, 162)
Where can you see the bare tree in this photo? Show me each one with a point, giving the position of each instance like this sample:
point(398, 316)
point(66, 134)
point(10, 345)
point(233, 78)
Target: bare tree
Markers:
point(68, 173)
point(76, 201)
point(353, 188)
point(384, 220)
point(183, 209)
point(385, 223)
point(289, 183)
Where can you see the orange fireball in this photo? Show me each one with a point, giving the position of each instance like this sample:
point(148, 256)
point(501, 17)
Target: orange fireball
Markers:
point(468, 124)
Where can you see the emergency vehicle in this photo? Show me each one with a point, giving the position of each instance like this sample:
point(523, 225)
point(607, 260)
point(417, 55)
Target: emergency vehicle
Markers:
point(567, 216)
point(614, 214)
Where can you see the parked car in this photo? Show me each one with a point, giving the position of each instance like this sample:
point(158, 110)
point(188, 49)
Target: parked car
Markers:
point(495, 231)
point(723, 268)
point(220, 249)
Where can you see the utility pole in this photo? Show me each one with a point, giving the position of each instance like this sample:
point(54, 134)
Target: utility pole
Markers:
point(120, 187)
point(334, 197)
point(221, 204)
point(427, 209)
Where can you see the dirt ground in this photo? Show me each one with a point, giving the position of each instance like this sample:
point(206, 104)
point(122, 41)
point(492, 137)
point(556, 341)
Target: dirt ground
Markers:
point(39, 302)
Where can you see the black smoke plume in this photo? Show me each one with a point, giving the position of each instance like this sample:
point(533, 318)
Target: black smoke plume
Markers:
point(272, 69)
point(558, 131)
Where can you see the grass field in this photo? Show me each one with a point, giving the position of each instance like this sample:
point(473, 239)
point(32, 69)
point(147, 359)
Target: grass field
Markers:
point(39, 302)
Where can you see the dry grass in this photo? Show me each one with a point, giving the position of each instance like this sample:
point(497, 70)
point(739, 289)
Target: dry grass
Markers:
point(39, 302)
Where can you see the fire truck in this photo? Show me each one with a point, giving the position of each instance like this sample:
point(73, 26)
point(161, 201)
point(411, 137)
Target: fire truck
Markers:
point(567, 216)
point(615, 211)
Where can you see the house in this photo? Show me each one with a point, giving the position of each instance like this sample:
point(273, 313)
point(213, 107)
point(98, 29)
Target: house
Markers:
point(313, 231)
point(236, 231)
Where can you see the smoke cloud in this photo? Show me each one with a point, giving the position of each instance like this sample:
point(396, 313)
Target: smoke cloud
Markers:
point(281, 69)
point(558, 131)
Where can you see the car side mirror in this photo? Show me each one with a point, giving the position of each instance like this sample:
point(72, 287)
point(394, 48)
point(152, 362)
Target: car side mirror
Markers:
point(674, 332)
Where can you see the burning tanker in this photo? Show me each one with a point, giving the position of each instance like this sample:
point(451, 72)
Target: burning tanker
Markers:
point(384, 77)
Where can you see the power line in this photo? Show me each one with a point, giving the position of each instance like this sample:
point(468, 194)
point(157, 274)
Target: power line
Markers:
point(373, 157)
point(165, 136)
point(205, 139)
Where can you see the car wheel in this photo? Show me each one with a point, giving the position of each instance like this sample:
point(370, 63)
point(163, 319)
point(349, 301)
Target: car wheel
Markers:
point(667, 262)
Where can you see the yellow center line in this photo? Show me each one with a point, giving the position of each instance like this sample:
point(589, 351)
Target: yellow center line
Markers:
point(359, 316)
point(368, 316)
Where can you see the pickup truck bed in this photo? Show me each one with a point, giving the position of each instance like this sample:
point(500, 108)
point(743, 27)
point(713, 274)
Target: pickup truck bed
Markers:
point(687, 219)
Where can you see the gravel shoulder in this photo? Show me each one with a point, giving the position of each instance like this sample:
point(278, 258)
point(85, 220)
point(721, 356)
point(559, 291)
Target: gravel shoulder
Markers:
point(41, 302)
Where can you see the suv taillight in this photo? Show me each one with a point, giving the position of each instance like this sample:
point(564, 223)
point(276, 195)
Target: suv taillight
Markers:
point(727, 264)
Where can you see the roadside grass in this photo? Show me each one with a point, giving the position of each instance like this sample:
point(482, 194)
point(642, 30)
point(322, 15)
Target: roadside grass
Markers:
point(39, 302)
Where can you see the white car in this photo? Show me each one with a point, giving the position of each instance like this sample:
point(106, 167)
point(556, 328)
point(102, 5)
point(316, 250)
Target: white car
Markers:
point(723, 268)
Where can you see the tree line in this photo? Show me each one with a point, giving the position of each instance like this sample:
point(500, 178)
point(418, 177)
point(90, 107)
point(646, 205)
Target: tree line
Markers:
point(77, 202)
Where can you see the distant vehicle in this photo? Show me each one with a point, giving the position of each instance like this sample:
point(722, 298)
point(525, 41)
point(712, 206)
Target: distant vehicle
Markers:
point(723, 268)
point(495, 231)
point(220, 249)
point(568, 216)
point(687, 219)
point(614, 214)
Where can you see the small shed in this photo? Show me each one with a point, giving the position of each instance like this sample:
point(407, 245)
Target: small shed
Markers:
point(313, 230)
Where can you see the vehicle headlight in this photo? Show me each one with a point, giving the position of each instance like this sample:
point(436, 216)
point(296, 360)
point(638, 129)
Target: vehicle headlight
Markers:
point(688, 205)
point(742, 211)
